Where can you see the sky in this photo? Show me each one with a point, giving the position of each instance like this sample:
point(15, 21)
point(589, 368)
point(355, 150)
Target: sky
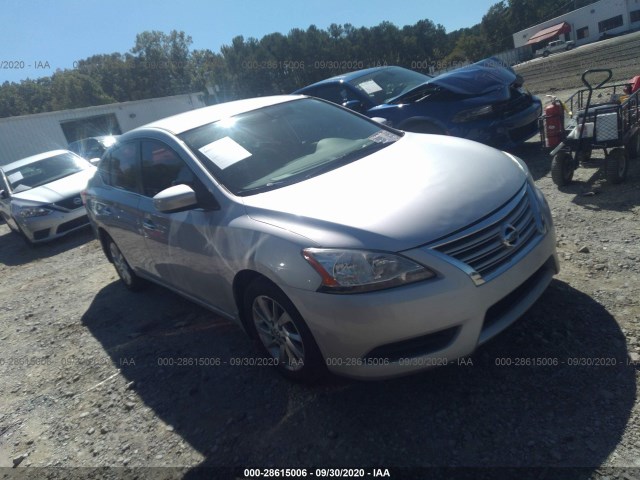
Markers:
point(39, 36)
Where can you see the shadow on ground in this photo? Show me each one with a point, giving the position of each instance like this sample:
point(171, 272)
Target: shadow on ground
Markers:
point(496, 410)
point(15, 251)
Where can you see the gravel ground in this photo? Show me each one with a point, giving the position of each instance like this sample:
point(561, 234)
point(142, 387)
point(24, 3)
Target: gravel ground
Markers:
point(94, 376)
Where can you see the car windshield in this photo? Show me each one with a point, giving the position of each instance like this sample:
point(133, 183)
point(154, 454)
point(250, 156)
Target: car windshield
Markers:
point(284, 144)
point(44, 171)
point(384, 85)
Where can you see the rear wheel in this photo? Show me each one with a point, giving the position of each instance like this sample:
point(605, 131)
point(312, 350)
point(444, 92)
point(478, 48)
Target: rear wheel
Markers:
point(562, 168)
point(616, 165)
point(281, 333)
point(633, 146)
point(125, 272)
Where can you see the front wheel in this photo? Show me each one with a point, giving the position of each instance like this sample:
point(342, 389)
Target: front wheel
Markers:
point(125, 272)
point(562, 169)
point(616, 165)
point(281, 333)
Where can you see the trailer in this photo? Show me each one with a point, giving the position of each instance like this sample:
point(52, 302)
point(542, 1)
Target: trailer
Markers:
point(601, 117)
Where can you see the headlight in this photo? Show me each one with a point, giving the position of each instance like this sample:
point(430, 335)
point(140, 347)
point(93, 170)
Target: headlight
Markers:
point(28, 212)
point(473, 114)
point(354, 271)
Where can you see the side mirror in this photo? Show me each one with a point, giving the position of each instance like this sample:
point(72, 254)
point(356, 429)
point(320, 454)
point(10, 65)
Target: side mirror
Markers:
point(4, 194)
point(175, 199)
point(353, 105)
point(94, 161)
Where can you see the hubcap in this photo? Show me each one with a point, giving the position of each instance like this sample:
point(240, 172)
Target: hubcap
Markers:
point(278, 333)
point(120, 263)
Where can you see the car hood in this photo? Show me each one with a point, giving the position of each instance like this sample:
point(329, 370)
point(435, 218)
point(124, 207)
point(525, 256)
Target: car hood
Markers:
point(480, 78)
point(56, 190)
point(419, 189)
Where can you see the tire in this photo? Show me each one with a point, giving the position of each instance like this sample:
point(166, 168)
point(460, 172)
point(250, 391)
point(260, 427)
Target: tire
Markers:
point(8, 221)
point(616, 166)
point(545, 54)
point(583, 156)
point(125, 272)
point(23, 235)
point(280, 332)
point(424, 127)
point(562, 169)
point(633, 147)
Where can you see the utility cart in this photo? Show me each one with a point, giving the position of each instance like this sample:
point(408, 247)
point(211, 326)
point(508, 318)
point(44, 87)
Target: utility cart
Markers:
point(604, 116)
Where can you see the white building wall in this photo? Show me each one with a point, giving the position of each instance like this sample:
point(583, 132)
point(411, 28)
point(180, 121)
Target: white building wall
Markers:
point(31, 134)
point(588, 16)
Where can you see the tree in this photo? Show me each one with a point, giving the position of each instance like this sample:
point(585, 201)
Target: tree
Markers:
point(72, 89)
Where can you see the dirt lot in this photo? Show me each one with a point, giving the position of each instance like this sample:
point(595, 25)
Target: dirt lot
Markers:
point(96, 376)
point(85, 380)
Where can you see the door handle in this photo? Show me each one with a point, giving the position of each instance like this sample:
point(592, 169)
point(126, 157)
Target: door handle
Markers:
point(149, 225)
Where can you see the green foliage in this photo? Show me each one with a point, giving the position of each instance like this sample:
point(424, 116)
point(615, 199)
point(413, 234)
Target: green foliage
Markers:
point(161, 64)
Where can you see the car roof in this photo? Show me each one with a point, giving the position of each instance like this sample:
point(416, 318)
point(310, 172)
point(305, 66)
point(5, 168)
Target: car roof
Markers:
point(34, 158)
point(347, 77)
point(186, 121)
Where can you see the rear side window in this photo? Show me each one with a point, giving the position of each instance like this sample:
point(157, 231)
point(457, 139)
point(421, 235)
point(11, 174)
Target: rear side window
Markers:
point(162, 168)
point(123, 167)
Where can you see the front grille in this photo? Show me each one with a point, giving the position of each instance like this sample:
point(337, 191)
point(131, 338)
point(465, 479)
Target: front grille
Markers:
point(517, 102)
point(490, 247)
point(70, 203)
point(524, 132)
point(70, 225)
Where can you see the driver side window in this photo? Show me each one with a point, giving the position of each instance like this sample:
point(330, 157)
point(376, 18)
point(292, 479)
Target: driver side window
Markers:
point(162, 168)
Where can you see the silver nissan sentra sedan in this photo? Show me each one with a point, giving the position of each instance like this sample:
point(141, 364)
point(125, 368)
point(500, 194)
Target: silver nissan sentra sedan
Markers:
point(336, 242)
point(40, 195)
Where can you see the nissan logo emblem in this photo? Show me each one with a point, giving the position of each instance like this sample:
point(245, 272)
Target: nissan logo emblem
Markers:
point(77, 201)
point(510, 235)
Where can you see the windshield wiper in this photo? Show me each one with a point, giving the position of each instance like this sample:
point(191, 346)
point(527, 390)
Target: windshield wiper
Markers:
point(264, 188)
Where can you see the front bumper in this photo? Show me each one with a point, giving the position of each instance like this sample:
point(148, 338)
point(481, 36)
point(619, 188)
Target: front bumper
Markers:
point(503, 133)
point(54, 225)
point(407, 329)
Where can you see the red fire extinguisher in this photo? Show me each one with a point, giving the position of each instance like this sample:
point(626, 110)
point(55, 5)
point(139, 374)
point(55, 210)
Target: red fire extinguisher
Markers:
point(553, 123)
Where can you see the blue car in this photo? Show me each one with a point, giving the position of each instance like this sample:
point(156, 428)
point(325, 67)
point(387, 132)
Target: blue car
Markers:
point(484, 101)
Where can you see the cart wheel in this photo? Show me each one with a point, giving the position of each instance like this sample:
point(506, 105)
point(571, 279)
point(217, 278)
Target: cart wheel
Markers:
point(616, 165)
point(583, 156)
point(562, 168)
point(633, 147)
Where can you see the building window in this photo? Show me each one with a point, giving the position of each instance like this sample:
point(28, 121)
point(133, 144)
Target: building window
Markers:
point(635, 16)
point(95, 126)
point(610, 23)
point(582, 33)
